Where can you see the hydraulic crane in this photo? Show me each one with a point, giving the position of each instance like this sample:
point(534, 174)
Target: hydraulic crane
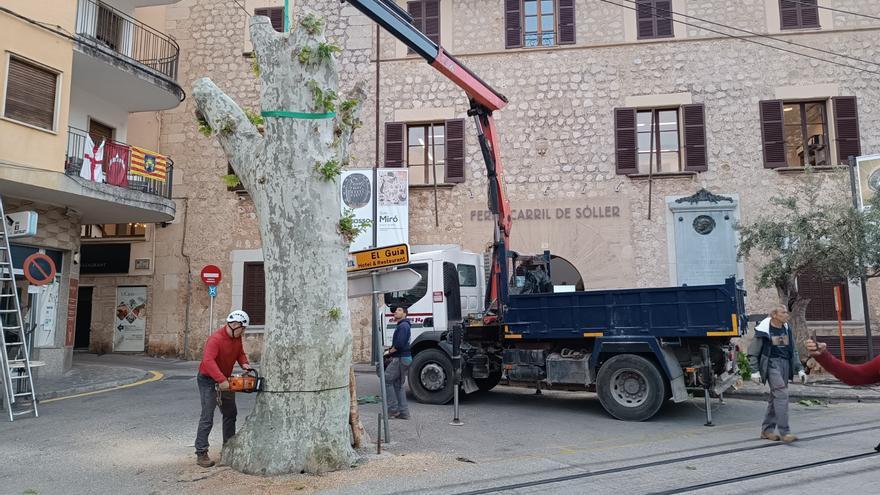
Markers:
point(484, 100)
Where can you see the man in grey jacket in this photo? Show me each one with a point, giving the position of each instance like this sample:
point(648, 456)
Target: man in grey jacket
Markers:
point(774, 355)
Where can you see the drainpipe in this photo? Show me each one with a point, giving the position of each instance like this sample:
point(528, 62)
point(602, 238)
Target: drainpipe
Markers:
point(188, 280)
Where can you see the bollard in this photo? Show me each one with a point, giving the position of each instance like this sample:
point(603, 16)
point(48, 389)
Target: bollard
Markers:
point(379, 436)
point(707, 383)
point(456, 373)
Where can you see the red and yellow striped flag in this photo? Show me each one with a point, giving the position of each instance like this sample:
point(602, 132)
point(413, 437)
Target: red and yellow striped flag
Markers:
point(148, 164)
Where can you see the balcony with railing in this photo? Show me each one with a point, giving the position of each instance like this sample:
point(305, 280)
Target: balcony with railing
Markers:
point(122, 165)
point(124, 60)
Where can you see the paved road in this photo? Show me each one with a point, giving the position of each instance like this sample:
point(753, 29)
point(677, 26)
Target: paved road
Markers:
point(139, 440)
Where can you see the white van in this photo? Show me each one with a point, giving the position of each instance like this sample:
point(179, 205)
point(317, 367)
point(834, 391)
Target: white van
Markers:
point(428, 302)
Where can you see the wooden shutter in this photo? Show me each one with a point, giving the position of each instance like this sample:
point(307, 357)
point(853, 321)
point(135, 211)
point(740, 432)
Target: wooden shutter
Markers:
point(645, 18)
point(626, 141)
point(846, 125)
point(455, 151)
point(772, 133)
point(663, 18)
point(821, 294)
point(431, 26)
point(654, 19)
point(275, 15)
point(809, 14)
point(416, 11)
point(512, 23)
point(426, 18)
point(30, 94)
point(695, 156)
point(566, 22)
point(796, 14)
point(394, 144)
point(100, 132)
point(253, 300)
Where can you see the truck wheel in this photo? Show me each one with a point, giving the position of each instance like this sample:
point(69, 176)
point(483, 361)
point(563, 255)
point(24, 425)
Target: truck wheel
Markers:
point(488, 383)
point(431, 376)
point(630, 387)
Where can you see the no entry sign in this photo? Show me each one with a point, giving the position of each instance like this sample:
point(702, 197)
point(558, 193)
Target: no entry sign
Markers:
point(211, 275)
point(39, 269)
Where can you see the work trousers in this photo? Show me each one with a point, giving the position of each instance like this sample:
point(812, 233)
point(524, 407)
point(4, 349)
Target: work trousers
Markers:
point(777, 406)
point(208, 395)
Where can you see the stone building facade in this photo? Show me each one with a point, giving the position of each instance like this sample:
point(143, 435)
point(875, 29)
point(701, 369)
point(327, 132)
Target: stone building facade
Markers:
point(576, 187)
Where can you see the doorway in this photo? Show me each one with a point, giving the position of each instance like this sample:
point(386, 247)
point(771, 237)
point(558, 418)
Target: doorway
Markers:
point(83, 318)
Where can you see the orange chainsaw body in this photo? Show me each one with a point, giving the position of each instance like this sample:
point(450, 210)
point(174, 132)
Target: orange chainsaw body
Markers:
point(246, 382)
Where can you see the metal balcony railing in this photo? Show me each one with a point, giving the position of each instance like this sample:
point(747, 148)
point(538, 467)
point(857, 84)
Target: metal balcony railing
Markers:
point(109, 29)
point(76, 147)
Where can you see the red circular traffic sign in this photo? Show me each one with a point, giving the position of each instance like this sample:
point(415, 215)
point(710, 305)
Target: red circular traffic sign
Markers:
point(211, 275)
point(39, 269)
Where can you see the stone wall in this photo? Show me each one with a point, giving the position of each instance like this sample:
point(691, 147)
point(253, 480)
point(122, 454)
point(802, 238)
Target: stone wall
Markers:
point(557, 134)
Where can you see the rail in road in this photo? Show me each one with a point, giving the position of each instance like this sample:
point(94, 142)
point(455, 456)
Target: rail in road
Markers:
point(874, 425)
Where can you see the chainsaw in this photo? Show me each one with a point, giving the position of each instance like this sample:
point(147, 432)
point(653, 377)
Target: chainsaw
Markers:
point(247, 382)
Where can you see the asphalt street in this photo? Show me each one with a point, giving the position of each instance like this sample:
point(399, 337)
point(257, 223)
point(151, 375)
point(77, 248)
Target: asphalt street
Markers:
point(139, 440)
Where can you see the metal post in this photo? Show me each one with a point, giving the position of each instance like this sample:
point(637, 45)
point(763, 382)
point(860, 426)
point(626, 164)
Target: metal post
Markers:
point(379, 435)
point(456, 374)
point(378, 345)
point(707, 383)
point(211, 317)
point(863, 279)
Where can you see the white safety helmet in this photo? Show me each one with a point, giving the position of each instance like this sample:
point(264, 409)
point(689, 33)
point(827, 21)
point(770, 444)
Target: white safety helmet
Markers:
point(239, 316)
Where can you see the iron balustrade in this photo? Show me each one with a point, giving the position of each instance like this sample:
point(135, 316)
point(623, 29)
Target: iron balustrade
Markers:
point(76, 146)
point(106, 28)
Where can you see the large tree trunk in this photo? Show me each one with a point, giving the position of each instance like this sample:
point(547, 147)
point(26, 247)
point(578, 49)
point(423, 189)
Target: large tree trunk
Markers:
point(300, 423)
point(790, 297)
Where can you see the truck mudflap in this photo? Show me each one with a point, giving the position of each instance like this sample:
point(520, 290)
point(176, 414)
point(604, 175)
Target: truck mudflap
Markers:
point(724, 382)
point(676, 378)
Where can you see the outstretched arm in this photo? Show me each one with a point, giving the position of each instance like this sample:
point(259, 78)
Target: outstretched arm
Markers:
point(851, 374)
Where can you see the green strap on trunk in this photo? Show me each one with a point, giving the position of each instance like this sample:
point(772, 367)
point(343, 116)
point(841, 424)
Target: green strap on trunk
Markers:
point(297, 115)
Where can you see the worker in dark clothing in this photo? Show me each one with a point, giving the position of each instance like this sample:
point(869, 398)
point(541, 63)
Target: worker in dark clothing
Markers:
point(775, 360)
point(395, 372)
point(223, 350)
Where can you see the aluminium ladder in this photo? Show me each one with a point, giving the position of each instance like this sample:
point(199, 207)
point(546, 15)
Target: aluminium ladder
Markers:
point(19, 398)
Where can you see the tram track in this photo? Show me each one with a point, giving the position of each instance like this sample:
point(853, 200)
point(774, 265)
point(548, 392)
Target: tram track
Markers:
point(646, 465)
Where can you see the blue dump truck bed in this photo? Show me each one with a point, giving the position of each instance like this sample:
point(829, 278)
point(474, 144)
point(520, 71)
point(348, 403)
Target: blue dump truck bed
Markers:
point(695, 311)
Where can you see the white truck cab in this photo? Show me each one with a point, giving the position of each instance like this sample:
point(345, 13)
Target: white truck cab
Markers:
point(429, 301)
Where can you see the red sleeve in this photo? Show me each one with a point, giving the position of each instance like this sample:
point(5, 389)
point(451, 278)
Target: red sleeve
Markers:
point(851, 374)
point(209, 359)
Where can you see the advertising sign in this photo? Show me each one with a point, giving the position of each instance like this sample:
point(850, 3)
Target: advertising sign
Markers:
point(47, 308)
point(130, 319)
point(378, 258)
point(388, 188)
point(868, 173)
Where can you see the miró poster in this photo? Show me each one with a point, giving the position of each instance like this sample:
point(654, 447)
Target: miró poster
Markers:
point(392, 195)
point(378, 198)
point(130, 320)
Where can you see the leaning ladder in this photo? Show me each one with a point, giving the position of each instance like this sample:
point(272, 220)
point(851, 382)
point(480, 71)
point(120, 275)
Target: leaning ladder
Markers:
point(19, 398)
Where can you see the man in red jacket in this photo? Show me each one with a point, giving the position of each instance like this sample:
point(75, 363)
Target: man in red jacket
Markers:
point(222, 351)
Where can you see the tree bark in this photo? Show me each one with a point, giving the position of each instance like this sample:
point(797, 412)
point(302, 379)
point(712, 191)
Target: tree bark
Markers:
point(354, 420)
point(300, 423)
point(800, 329)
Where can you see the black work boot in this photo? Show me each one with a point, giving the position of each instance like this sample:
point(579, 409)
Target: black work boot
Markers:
point(203, 460)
